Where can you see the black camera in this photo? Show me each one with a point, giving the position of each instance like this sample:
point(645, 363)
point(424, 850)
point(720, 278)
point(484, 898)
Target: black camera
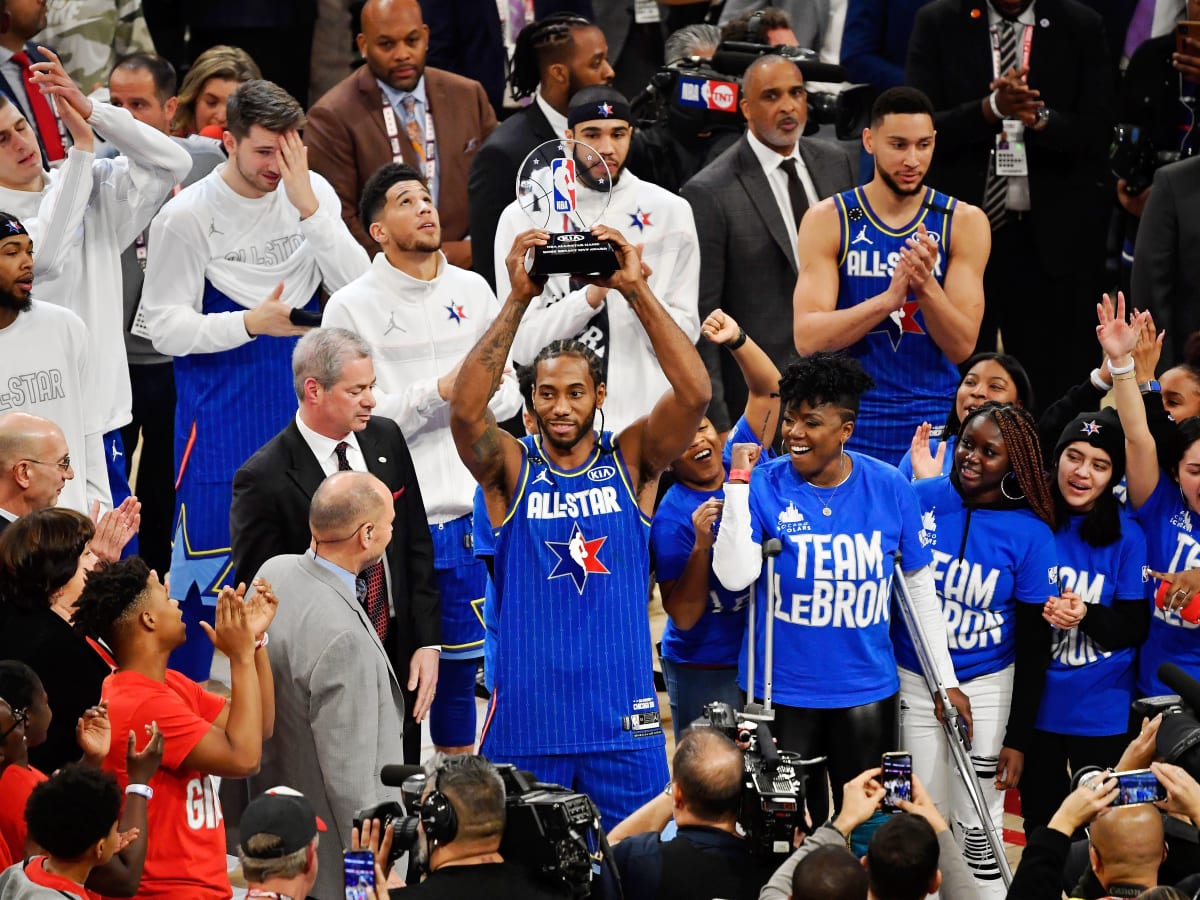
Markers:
point(1133, 157)
point(1178, 740)
point(404, 827)
point(773, 781)
point(700, 95)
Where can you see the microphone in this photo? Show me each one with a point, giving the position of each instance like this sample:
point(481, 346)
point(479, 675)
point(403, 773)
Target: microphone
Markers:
point(1187, 687)
point(395, 776)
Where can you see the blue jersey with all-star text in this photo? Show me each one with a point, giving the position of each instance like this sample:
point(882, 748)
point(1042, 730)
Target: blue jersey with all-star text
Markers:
point(914, 380)
point(985, 562)
point(1172, 545)
point(573, 669)
point(832, 648)
point(1089, 689)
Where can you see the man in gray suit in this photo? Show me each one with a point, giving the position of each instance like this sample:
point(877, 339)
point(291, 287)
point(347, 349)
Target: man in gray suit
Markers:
point(748, 204)
point(339, 710)
point(1166, 280)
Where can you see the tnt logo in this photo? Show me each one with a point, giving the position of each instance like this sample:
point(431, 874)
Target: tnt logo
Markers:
point(562, 176)
point(709, 94)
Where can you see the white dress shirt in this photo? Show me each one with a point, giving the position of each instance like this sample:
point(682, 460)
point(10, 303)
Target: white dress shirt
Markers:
point(558, 122)
point(772, 165)
point(325, 449)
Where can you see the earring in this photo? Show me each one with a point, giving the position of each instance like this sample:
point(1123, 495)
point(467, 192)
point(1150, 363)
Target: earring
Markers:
point(1005, 492)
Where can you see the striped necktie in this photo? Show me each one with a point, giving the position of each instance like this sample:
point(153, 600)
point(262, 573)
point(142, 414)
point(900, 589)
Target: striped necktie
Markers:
point(995, 190)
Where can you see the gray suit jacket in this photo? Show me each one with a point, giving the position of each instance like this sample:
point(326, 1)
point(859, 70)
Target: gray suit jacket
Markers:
point(338, 709)
point(747, 267)
point(1166, 280)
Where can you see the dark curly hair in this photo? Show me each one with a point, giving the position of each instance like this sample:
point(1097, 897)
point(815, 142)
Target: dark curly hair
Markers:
point(39, 553)
point(110, 592)
point(72, 810)
point(18, 683)
point(825, 378)
point(1019, 430)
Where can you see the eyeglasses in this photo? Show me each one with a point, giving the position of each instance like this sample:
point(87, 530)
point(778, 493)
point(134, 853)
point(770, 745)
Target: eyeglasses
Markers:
point(64, 463)
point(20, 718)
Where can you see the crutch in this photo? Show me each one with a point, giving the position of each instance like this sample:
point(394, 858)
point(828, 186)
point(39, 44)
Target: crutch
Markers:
point(954, 727)
point(762, 712)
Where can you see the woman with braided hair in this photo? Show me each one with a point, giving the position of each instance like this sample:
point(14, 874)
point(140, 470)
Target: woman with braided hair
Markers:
point(989, 525)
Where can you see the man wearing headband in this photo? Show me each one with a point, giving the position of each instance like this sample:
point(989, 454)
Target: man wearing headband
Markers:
point(46, 369)
point(79, 247)
point(648, 216)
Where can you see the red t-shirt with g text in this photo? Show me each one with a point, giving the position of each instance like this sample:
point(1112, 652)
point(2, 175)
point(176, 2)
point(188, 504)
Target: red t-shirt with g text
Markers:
point(185, 856)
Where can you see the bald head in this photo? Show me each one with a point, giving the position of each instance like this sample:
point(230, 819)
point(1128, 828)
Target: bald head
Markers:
point(32, 450)
point(1127, 844)
point(394, 41)
point(708, 769)
point(343, 502)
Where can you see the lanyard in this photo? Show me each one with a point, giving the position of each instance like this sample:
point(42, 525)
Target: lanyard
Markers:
point(1026, 44)
point(427, 156)
point(139, 243)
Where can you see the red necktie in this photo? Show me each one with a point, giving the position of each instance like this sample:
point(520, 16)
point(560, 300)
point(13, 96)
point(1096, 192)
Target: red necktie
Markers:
point(43, 116)
point(371, 584)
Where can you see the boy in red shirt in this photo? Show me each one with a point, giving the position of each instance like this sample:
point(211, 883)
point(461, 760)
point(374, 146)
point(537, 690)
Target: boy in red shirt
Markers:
point(125, 604)
point(73, 817)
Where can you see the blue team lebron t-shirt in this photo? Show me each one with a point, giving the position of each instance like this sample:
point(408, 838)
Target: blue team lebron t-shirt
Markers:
point(985, 562)
point(572, 573)
point(1172, 545)
point(832, 648)
point(914, 380)
point(1089, 689)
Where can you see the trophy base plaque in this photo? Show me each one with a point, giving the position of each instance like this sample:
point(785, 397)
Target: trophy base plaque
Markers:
point(574, 253)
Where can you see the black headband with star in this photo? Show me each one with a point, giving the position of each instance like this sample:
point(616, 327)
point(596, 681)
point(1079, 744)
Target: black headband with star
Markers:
point(10, 226)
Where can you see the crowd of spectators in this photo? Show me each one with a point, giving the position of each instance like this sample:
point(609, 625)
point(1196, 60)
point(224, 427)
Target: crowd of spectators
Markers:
point(305, 443)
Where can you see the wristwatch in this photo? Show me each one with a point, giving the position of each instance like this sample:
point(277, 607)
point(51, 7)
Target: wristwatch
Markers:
point(1147, 386)
point(1043, 116)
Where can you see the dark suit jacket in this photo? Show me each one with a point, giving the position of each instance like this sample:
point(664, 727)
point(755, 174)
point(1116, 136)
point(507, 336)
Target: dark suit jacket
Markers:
point(746, 266)
point(1165, 277)
point(347, 142)
point(269, 517)
point(491, 186)
point(4, 523)
point(466, 37)
point(950, 59)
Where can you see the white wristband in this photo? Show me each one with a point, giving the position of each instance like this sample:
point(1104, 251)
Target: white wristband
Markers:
point(1120, 370)
point(266, 638)
point(995, 109)
point(1098, 382)
point(142, 790)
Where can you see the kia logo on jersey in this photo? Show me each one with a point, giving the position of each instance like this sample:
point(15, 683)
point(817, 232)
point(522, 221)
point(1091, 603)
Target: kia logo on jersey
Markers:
point(601, 473)
point(562, 176)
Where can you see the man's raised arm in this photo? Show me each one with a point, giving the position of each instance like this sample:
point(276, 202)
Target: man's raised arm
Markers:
point(492, 455)
point(653, 442)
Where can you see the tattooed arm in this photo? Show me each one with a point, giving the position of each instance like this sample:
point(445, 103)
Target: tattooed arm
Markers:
point(493, 456)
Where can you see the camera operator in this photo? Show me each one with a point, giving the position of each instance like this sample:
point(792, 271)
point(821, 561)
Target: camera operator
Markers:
point(669, 152)
point(1158, 95)
point(910, 855)
point(462, 815)
point(707, 857)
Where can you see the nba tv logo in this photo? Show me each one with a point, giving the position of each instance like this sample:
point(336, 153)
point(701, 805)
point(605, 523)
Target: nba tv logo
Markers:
point(562, 177)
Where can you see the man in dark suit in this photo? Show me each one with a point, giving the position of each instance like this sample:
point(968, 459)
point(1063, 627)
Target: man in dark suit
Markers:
point(748, 204)
point(1164, 269)
point(1040, 68)
point(334, 430)
point(553, 59)
point(350, 133)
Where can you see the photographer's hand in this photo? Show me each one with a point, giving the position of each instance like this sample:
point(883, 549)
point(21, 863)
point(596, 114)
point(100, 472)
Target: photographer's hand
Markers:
point(1183, 793)
point(1140, 750)
point(861, 797)
point(378, 840)
point(1083, 804)
point(921, 805)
